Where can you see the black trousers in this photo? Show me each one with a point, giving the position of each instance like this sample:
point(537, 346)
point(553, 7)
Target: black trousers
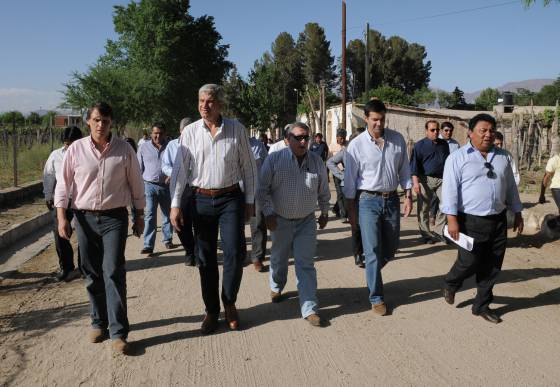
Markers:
point(63, 246)
point(186, 235)
point(258, 237)
point(226, 214)
point(486, 258)
point(339, 206)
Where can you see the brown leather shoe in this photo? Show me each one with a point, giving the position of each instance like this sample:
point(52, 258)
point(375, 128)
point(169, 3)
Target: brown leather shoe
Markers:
point(490, 316)
point(380, 309)
point(275, 296)
point(259, 267)
point(314, 320)
point(231, 317)
point(120, 346)
point(449, 296)
point(97, 335)
point(209, 324)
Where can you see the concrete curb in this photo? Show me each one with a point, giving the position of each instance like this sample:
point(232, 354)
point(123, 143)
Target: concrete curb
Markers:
point(17, 194)
point(21, 230)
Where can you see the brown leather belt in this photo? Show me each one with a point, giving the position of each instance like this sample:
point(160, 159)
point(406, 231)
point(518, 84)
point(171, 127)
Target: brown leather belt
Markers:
point(112, 211)
point(217, 191)
point(384, 195)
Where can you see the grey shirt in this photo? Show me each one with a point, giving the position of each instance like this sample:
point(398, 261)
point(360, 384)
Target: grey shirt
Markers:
point(149, 158)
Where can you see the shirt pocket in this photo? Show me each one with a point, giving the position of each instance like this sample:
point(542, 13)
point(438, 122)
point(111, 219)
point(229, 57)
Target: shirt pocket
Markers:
point(311, 180)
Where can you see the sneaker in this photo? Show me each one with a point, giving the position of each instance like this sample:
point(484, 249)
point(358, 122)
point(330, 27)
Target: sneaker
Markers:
point(314, 320)
point(380, 308)
point(146, 250)
point(275, 296)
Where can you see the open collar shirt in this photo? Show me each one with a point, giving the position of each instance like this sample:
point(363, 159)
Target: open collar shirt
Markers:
point(150, 159)
point(428, 157)
point(51, 172)
point(100, 180)
point(292, 190)
point(214, 163)
point(368, 167)
point(467, 187)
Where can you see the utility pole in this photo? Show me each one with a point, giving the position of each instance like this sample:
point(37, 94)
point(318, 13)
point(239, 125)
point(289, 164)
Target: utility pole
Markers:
point(366, 80)
point(343, 123)
point(322, 107)
point(14, 145)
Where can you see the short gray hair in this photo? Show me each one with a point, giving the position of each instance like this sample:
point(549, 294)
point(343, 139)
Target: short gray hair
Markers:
point(213, 90)
point(184, 122)
point(299, 125)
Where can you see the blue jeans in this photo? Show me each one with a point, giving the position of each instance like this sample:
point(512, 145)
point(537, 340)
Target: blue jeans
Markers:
point(299, 236)
point(156, 194)
point(380, 225)
point(102, 240)
point(225, 213)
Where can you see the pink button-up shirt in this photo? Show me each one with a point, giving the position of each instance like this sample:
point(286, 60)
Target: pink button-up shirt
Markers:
point(100, 180)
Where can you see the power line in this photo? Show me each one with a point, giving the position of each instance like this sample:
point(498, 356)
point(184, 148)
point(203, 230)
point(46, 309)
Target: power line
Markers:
point(443, 14)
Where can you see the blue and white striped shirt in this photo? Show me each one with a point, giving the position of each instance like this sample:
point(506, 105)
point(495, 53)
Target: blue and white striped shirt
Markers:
point(468, 189)
point(290, 190)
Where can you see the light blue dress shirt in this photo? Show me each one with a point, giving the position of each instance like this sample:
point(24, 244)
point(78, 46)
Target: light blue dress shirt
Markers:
point(168, 157)
point(468, 189)
point(149, 158)
point(259, 151)
point(367, 167)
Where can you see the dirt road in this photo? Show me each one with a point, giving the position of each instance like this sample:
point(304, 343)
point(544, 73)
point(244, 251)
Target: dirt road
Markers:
point(43, 325)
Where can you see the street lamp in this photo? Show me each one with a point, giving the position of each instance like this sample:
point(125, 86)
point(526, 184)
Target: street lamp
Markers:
point(297, 100)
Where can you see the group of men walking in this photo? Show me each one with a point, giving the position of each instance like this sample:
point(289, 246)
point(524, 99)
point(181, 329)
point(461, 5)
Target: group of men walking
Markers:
point(219, 179)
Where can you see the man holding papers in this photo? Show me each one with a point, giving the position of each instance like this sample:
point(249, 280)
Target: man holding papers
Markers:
point(478, 187)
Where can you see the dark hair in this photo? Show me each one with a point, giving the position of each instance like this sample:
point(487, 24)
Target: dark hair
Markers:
point(159, 125)
point(376, 106)
point(361, 129)
point(482, 117)
point(320, 135)
point(103, 108)
point(131, 142)
point(499, 136)
point(71, 133)
point(447, 124)
point(341, 133)
point(431, 122)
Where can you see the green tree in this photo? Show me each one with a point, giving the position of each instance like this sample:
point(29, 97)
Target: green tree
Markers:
point(389, 94)
point(9, 117)
point(48, 119)
point(34, 118)
point(315, 51)
point(237, 101)
point(153, 70)
point(528, 3)
point(523, 97)
point(549, 94)
point(355, 66)
point(424, 96)
point(263, 94)
point(444, 99)
point(487, 99)
point(457, 98)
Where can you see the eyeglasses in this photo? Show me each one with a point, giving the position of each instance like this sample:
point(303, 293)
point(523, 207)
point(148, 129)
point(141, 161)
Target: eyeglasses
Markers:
point(448, 130)
point(490, 174)
point(304, 137)
point(433, 130)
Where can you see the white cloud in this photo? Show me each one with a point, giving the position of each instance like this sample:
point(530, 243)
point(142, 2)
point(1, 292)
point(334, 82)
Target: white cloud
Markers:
point(27, 100)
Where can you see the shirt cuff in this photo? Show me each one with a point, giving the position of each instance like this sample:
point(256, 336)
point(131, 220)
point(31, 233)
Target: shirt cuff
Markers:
point(449, 210)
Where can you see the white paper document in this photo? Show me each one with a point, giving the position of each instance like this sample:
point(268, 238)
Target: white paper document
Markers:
point(464, 241)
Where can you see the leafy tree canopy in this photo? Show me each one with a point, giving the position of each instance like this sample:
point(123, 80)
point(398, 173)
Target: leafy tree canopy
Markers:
point(487, 99)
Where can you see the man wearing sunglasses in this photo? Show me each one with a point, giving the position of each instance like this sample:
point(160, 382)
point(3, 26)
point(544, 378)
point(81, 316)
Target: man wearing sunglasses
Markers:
point(291, 183)
point(446, 133)
point(426, 166)
point(376, 163)
point(478, 187)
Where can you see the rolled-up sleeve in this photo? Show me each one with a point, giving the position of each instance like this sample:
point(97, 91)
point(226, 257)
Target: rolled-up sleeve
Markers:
point(264, 197)
point(135, 182)
point(450, 188)
point(62, 190)
point(351, 169)
point(167, 159)
point(332, 164)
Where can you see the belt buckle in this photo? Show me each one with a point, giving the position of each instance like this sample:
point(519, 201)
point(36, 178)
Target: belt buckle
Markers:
point(385, 195)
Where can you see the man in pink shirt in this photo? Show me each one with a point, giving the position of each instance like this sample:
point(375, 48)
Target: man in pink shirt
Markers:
point(102, 176)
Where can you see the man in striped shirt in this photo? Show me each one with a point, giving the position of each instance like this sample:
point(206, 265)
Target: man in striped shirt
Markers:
point(216, 156)
point(297, 174)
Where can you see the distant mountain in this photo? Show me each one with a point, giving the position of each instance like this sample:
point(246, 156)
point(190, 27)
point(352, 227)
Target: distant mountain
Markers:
point(529, 84)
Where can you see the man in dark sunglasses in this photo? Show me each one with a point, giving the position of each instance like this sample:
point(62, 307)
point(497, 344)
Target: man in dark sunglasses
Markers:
point(426, 167)
point(478, 187)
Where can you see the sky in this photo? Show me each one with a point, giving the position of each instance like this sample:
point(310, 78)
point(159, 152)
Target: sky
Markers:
point(472, 45)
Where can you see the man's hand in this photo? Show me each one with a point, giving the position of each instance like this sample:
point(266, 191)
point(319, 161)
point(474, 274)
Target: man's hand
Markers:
point(542, 199)
point(50, 204)
point(167, 180)
point(323, 220)
point(407, 206)
point(453, 227)
point(138, 226)
point(249, 212)
point(176, 217)
point(518, 223)
point(64, 228)
point(270, 222)
point(417, 189)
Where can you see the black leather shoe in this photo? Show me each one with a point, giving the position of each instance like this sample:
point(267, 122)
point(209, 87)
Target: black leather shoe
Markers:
point(490, 316)
point(357, 259)
point(210, 324)
point(190, 260)
point(146, 250)
point(428, 240)
point(449, 296)
point(62, 275)
point(362, 261)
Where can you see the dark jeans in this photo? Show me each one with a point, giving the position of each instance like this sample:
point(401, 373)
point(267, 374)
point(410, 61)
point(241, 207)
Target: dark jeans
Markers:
point(556, 196)
point(339, 205)
point(258, 237)
point(102, 240)
point(486, 258)
point(63, 246)
point(186, 235)
point(357, 248)
point(226, 214)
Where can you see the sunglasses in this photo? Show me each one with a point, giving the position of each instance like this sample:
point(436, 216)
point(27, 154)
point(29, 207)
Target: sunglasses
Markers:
point(304, 137)
point(448, 130)
point(490, 174)
point(434, 130)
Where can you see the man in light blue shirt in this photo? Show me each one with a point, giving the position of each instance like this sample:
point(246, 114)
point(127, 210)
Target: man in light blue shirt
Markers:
point(376, 163)
point(478, 186)
point(156, 188)
point(167, 161)
point(258, 225)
